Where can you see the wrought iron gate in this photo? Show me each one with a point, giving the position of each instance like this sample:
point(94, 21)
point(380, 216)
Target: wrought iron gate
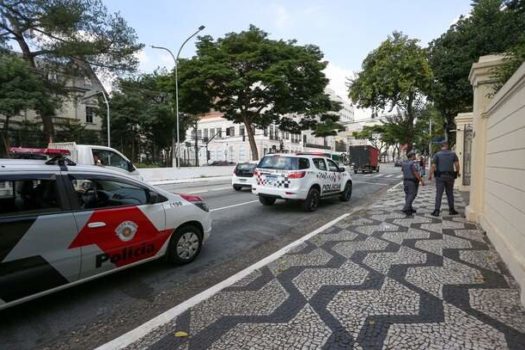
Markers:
point(467, 154)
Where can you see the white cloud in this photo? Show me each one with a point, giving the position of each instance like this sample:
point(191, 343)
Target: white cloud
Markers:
point(338, 77)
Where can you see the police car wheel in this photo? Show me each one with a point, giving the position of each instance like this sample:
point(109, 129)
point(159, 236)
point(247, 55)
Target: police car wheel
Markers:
point(312, 200)
point(237, 187)
point(266, 200)
point(185, 245)
point(347, 193)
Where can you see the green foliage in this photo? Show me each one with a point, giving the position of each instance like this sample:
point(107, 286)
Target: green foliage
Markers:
point(142, 116)
point(69, 37)
point(20, 89)
point(491, 28)
point(257, 81)
point(396, 75)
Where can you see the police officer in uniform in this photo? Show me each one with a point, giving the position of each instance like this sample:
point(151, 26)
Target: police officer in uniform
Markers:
point(411, 180)
point(443, 164)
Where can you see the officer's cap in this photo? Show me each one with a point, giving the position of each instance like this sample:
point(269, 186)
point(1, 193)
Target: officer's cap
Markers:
point(411, 154)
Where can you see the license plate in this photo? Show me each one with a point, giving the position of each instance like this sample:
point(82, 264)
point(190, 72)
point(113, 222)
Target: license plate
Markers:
point(242, 180)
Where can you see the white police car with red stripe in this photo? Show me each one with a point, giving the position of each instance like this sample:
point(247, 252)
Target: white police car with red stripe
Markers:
point(305, 177)
point(63, 224)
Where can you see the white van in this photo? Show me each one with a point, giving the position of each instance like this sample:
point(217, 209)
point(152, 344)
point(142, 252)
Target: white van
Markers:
point(98, 155)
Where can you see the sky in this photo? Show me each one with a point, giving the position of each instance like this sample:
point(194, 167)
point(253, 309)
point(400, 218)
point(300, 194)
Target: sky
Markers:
point(346, 31)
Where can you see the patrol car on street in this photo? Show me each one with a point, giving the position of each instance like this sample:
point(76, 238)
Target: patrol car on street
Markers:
point(300, 177)
point(62, 224)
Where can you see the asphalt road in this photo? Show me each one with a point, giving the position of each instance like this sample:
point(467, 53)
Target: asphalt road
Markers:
point(243, 232)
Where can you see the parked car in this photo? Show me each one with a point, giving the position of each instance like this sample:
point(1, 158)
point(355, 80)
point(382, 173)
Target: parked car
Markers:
point(64, 224)
point(243, 175)
point(398, 162)
point(307, 178)
point(221, 163)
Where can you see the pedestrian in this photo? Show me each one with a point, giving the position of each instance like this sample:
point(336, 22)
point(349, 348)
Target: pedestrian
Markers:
point(445, 168)
point(411, 180)
point(422, 165)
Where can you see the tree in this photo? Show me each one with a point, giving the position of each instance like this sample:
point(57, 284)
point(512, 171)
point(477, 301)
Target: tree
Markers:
point(67, 38)
point(20, 89)
point(491, 28)
point(257, 81)
point(396, 75)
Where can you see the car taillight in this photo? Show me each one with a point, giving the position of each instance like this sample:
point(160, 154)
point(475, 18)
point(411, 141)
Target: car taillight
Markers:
point(196, 200)
point(297, 175)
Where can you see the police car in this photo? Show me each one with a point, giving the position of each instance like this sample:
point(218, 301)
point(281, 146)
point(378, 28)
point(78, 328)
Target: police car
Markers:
point(62, 224)
point(305, 177)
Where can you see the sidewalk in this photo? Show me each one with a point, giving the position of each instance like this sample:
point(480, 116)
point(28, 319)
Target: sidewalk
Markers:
point(374, 280)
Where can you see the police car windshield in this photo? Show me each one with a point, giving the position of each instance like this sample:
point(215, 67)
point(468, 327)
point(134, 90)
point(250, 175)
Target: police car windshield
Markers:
point(281, 163)
point(246, 166)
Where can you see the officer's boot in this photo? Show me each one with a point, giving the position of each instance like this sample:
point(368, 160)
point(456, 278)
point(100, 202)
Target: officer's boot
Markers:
point(435, 213)
point(452, 212)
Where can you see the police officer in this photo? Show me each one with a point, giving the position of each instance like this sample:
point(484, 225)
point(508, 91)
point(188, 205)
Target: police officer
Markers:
point(411, 180)
point(443, 164)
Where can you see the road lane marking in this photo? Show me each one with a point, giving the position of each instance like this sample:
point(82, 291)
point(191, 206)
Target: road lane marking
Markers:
point(233, 206)
point(395, 187)
point(146, 328)
point(371, 183)
point(389, 175)
point(210, 190)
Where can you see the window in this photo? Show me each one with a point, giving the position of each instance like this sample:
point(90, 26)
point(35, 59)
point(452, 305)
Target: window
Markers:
point(230, 131)
point(29, 196)
point(319, 163)
point(102, 193)
point(304, 139)
point(219, 133)
point(206, 133)
point(271, 132)
point(304, 163)
point(332, 166)
point(90, 112)
point(283, 163)
point(109, 158)
point(241, 130)
point(199, 134)
point(265, 131)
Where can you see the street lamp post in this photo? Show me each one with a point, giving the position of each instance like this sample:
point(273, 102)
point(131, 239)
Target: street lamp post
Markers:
point(175, 61)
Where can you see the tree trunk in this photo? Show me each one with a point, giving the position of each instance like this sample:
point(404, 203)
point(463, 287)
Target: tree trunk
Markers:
point(251, 139)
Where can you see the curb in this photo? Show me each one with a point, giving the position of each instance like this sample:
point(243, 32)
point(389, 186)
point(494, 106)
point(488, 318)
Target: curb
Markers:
point(197, 179)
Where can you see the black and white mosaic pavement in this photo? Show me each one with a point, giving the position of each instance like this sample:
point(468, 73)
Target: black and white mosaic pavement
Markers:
point(376, 280)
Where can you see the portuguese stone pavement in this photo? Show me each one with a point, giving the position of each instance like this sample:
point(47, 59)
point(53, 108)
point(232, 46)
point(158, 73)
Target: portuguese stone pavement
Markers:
point(375, 280)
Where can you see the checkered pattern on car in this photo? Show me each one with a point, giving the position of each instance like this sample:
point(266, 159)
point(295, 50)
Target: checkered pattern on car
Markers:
point(280, 181)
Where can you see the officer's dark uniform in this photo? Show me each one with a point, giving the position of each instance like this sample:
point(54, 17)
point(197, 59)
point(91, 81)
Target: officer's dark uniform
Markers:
point(410, 184)
point(445, 176)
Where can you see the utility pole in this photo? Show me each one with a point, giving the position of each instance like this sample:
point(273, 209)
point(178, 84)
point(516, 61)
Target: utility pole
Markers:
point(196, 145)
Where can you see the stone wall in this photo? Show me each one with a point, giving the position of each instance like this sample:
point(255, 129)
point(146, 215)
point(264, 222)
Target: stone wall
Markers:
point(497, 198)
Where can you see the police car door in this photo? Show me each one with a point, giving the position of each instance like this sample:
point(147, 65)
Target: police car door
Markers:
point(322, 174)
point(36, 228)
point(117, 224)
point(335, 177)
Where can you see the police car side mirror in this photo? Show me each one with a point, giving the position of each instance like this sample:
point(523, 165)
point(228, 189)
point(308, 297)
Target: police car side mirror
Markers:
point(131, 167)
point(342, 169)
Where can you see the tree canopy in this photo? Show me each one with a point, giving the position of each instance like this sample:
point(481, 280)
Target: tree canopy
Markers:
point(20, 89)
point(70, 37)
point(493, 27)
point(395, 76)
point(257, 81)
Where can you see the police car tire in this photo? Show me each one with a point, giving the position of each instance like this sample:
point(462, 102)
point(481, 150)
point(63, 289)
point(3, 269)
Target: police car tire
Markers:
point(237, 187)
point(172, 255)
point(347, 193)
point(312, 200)
point(266, 200)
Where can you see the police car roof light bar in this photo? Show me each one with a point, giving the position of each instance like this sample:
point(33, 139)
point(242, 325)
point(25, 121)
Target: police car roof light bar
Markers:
point(44, 151)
